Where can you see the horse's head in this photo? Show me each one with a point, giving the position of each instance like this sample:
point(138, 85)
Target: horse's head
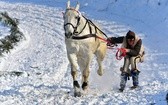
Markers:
point(71, 20)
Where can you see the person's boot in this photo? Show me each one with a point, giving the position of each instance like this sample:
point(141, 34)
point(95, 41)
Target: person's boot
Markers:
point(133, 87)
point(121, 89)
point(135, 76)
point(123, 81)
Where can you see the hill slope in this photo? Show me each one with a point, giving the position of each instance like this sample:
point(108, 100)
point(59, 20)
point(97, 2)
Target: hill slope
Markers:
point(46, 78)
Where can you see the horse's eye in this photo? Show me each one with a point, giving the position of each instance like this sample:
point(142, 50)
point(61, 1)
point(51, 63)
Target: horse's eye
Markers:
point(77, 17)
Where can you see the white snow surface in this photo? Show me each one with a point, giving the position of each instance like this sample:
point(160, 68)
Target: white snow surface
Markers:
point(46, 78)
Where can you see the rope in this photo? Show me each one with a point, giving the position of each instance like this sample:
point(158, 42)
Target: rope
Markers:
point(121, 52)
point(103, 39)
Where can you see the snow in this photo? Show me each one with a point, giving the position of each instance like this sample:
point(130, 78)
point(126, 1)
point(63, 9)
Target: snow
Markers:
point(4, 30)
point(46, 78)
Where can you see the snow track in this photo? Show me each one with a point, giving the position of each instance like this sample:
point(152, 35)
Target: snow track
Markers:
point(46, 78)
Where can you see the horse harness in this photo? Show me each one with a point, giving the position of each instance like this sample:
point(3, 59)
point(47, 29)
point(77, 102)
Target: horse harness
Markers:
point(85, 36)
point(89, 22)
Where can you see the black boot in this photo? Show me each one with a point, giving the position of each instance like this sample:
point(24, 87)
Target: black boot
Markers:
point(121, 89)
point(133, 87)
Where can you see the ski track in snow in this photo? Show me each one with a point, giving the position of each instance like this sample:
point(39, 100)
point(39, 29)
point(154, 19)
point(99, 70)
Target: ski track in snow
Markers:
point(47, 79)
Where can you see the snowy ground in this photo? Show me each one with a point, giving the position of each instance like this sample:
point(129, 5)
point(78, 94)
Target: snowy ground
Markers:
point(46, 78)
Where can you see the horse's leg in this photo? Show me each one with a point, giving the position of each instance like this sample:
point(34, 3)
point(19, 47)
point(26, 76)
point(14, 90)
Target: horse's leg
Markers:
point(73, 62)
point(100, 54)
point(84, 67)
point(85, 76)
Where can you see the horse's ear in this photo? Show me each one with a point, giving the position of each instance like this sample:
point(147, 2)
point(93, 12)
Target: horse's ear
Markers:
point(77, 6)
point(68, 4)
point(63, 14)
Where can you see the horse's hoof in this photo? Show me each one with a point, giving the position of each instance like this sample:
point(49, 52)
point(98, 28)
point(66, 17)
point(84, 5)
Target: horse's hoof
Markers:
point(76, 84)
point(84, 85)
point(100, 72)
point(77, 94)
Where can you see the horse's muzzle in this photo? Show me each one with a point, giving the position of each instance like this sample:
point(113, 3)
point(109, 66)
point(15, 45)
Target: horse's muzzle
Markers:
point(68, 35)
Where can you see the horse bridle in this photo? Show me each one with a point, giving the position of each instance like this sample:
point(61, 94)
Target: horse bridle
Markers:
point(75, 27)
point(75, 32)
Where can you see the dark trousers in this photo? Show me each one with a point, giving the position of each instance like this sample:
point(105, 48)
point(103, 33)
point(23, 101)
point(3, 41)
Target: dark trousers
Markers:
point(125, 77)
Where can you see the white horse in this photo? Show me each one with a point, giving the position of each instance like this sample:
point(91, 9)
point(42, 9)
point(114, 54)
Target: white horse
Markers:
point(82, 42)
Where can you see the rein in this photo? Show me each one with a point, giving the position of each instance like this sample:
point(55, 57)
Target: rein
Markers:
point(121, 52)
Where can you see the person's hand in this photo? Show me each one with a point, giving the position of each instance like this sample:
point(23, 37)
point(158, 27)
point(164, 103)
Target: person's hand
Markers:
point(109, 41)
point(120, 53)
point(123, 52)
point(127, 50)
